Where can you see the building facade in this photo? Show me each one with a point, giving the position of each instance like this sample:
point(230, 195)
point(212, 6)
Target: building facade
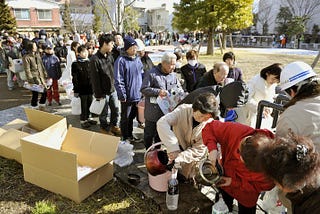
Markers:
point(32, 15)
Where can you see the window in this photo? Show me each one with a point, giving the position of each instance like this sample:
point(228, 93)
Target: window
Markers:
point(44, 14)
point(22, 14)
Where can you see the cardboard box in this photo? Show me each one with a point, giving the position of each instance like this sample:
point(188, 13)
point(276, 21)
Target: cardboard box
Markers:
point(74, 162)
point(11, 133)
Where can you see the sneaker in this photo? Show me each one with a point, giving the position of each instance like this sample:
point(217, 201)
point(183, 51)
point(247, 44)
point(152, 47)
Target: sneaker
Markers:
point(116, 130)
point(92, 122)
point(49, 104)
point(103, 131)
point(85, 124)
point(10, 88)
point(59, 104)
point(42, 107)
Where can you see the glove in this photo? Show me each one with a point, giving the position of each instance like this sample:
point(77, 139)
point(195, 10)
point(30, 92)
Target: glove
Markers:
point(76, 95)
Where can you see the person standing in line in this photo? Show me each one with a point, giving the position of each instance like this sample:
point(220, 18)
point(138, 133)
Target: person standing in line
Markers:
point(35, 74)
point(82, 86)
point(192, 72)
point(52, 64)
point(118, 46)
point(216, 76)
point(234, 72)
point(158, 82)
point(71, 57)
point(102, 78)
point(127, 74)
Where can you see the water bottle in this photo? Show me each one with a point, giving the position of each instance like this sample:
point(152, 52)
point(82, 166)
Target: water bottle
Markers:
point(172, 195)
point(220, 207)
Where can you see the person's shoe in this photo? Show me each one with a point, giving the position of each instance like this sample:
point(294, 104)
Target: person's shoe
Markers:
point(92, 122)
point(10, 88)
point(116, 130)
point(49, 104)
point(103, 131)
point(59, 104)
point(42, 107)
point(85, 124)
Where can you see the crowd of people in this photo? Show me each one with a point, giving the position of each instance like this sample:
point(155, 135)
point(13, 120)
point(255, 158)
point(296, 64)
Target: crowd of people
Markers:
point(215, 120)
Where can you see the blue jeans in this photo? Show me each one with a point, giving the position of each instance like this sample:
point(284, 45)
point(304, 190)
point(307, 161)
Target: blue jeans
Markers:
point(129, 111)
point(112, 102)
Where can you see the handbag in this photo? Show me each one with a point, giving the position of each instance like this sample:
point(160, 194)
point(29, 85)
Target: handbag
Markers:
point(97, 106)
point(76, 106)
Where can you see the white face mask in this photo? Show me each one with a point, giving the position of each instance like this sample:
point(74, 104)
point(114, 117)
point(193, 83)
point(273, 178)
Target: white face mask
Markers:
point(193, 62)
point(43, 36)
point(178, 64)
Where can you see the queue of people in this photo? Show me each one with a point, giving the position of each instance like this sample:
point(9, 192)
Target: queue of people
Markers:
point(254, 160)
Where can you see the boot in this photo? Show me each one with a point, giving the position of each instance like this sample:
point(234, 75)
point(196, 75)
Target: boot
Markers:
point(116, 130)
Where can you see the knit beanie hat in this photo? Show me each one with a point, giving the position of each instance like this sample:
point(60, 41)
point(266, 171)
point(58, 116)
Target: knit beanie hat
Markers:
point(128, 42)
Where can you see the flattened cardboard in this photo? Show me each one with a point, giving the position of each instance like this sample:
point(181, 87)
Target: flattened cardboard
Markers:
point(51, 159)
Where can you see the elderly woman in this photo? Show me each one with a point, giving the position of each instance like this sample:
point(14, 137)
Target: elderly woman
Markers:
point(215, 76)
point(180, 131)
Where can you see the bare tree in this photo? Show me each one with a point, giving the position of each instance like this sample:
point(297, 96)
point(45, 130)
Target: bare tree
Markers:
point(303, 8)
point(82, 19)
point(119, 7)
point(264, 15)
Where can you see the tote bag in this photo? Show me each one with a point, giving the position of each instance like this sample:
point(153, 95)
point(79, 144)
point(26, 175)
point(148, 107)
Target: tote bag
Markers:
point(97, 106)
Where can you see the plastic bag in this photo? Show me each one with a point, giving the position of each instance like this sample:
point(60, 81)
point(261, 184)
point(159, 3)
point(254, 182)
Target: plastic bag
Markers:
point(125, 154)
point(96, 106)
point(168, 103)
point(34, 87)
point(76, 105)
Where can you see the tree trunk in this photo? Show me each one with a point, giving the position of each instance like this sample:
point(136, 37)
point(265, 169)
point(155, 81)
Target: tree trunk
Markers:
point(220, 43)
point(315, 61)
point(210, 42)
point(231, 42)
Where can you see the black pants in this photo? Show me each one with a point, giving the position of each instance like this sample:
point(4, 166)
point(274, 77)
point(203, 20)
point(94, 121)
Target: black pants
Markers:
point(34, 98)
point(86, 101)
point(242, 209)
point(150, 133)
point(129, 111)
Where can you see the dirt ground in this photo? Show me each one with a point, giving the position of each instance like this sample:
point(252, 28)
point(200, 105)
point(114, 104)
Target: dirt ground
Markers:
point(16, 97)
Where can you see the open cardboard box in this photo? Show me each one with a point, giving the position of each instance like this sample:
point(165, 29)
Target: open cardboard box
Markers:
point(72, 162)
point(11, 132)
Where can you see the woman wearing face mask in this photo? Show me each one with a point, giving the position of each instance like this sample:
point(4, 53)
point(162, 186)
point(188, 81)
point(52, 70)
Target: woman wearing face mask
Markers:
point(192, 72)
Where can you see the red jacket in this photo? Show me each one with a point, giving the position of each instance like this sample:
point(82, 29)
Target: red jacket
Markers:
point(246, 185)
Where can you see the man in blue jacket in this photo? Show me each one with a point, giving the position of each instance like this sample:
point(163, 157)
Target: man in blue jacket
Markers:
point(128, 79)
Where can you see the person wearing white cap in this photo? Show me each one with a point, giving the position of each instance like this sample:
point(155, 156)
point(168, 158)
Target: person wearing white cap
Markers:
point(302, 112)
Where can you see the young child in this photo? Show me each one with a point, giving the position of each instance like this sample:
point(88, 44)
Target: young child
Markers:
point(82, 85)
point(52, 64)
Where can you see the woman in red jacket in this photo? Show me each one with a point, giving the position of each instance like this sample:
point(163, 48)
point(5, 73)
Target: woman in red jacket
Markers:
point(238, 181)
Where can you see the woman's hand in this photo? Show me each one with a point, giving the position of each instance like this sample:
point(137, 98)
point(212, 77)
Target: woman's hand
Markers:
point(213, 156)
point(224, 181)
point(173, 155)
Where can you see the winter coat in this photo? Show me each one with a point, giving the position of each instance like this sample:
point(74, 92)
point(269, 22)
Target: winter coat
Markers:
point(52, 65)
point(192, 75)
point(235, 73)
point(303, 118)
point(80, 71)
point(128, 79)
point(153, 82)
point(176, 131)
point(306, 202)
point(34, 69)
point(246, 185)
point(101, 71)
point(207, 80)
point(258, 90)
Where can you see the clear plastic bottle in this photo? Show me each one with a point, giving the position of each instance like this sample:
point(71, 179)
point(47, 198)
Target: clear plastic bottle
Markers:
point(172, 196)
point(220, 207)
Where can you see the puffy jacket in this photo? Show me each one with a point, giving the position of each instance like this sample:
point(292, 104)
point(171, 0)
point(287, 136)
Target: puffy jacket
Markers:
point(52, 65)
point(153, 82)
point(101, 71)
point(245, 185)
point(80, 71)
point(127, 77)
point(192, 75)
